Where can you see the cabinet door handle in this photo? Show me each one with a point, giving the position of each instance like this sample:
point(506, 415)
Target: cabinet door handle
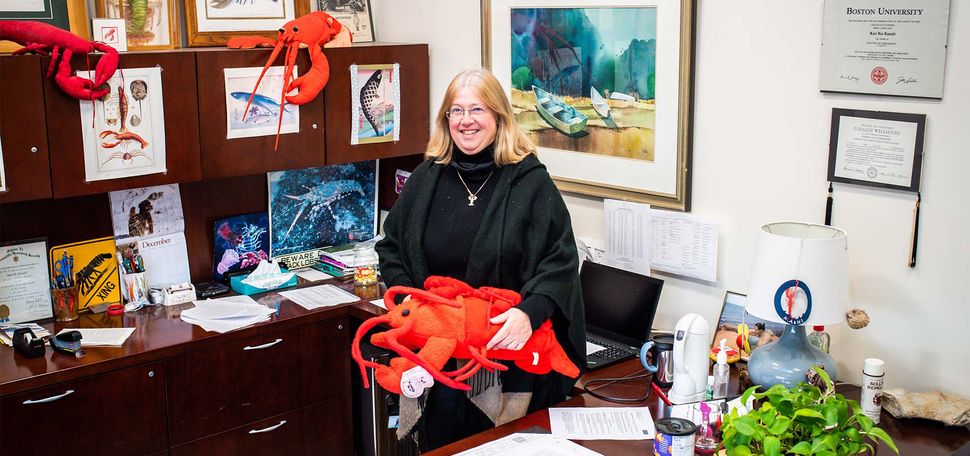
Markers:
point(271, 428)
point(49, 399)
point(266, 345)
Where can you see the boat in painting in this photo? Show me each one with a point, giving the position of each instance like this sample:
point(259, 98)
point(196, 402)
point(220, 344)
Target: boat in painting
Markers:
point(557, 113)
point(599, 103)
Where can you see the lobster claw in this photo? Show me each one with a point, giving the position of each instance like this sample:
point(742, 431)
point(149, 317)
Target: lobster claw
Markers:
point(313, 81)
point(77, 86)
point(249, 42)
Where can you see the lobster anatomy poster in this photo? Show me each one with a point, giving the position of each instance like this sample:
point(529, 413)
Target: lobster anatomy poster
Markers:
point(262, 117)
point(95, 269)
point(319, 207)
point(376, 102)
point(240, 242)
point(128, 137)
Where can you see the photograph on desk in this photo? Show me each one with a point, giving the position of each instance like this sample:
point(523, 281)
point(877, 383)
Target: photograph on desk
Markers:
point(25, 286)
point(375, 92)
point(240, 241)
point(91, 266)
point(733, 315)
point(128, 136)
point(319, 207)
point(256, 112)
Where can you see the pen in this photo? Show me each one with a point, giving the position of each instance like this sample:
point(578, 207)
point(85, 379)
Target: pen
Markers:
point(661, 394)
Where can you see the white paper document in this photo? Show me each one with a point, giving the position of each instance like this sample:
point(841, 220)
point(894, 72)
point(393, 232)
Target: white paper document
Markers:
point(379, 303)
point(529, 445)
point(627, 235)
point(102, 337)
point(312, 275)
point(602, 423)
point(683, 244)
point(226, 314)
point(319, 296)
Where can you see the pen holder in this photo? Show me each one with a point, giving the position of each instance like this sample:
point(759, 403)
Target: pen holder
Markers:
point(136, 288)
point(65, 303)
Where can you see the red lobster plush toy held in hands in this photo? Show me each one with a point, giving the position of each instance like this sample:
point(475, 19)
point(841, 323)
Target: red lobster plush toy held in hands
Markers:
point(451, 319)
point(311, 31)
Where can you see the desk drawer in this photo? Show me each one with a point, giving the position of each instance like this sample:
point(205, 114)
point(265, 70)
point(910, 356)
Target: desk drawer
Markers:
point(121, 412)
point(323, 428)
point(229, 385)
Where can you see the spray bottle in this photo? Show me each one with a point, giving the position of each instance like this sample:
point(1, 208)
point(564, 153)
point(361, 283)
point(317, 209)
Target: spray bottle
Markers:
point(721, 372)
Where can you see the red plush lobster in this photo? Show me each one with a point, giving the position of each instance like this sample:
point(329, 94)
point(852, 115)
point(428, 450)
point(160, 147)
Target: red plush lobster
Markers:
point(451, 319)
point(43, 38)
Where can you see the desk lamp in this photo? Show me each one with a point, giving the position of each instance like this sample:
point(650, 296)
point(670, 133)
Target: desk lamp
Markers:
point(800, 277)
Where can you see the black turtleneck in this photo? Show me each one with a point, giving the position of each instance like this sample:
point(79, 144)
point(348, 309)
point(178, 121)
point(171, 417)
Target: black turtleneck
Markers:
point(452, 223)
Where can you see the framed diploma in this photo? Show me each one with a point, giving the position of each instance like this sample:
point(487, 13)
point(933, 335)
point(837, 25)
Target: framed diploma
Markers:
point(884, 47)
point(878, 149)
point(25, 287)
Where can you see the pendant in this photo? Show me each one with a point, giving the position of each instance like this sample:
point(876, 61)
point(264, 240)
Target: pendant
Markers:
point(471, 200)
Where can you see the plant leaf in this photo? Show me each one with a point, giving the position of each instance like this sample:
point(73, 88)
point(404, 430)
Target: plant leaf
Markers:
point(884, 437)
point(801, 448)
point(740, 451)
point(780, 425)
point(747, 394)
point(809, 413)
point(744, 427)
point(772, 446)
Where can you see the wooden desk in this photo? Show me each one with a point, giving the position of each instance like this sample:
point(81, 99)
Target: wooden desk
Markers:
point(912, 437)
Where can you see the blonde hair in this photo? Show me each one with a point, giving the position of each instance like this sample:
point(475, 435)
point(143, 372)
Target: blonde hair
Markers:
point(511, 144)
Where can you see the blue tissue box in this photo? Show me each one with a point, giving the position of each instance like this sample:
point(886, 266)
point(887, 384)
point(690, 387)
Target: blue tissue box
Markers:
point(235, 282)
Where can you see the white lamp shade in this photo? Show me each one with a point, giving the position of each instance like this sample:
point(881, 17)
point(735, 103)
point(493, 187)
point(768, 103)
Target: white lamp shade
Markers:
point(800, 274)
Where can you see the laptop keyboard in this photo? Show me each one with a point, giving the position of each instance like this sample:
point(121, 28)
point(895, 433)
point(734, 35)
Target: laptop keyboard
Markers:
point(609, 352)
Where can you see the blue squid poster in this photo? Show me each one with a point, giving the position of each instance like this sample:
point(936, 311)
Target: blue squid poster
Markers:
point(318, 207)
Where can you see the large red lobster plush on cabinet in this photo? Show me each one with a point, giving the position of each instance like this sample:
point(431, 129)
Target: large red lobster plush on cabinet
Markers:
point(311, 31)
point(43, 38)
point(451, 319)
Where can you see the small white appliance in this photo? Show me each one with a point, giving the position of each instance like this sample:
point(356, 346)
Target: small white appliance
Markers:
point(692, 339)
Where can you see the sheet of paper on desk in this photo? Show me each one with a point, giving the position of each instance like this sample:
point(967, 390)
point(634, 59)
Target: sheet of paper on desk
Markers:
point(319, 296)
point(102, 337)
point(312, 274)
point(226, 314)
point(602, 423)
point(692, 410)
point(529, 445)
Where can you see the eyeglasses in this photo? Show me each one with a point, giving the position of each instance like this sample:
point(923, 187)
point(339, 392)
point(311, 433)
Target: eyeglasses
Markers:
point(457, 112)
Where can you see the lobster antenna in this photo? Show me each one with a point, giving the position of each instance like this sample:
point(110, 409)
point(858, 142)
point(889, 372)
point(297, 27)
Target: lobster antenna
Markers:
point(272, 58)
point(288, 63)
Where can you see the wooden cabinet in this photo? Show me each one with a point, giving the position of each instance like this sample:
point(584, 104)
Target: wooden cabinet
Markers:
point(120, 412)
point(179, 90)
point(415, 103)
point(248, 381)
point(23, 129)
point(223, 157)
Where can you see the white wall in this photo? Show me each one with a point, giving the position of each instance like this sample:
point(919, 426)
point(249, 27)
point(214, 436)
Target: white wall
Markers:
point(761, 131)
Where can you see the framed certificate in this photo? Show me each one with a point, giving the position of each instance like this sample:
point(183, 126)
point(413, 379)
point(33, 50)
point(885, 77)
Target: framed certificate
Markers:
point(884, 47)
point(25, 286)
point(878, 149)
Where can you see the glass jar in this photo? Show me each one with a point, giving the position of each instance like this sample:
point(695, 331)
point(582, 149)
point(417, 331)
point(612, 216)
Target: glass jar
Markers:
point(365, 265)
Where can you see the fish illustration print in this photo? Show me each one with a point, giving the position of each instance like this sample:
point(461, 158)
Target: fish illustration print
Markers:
point(370, 103)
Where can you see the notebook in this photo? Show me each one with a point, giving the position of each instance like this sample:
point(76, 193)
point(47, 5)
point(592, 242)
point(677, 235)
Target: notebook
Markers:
point(620, 306)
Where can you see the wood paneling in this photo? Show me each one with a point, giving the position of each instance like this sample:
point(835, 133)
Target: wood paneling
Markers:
point(223, 157)
point(414, 101)
point(23, 129)
point(181, 127)
point(386, 181)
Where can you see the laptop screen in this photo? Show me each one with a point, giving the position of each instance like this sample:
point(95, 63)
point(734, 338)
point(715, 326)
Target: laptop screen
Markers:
point(619, 304)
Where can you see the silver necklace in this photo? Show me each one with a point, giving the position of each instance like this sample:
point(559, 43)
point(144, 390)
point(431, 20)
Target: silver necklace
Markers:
point(473, 196)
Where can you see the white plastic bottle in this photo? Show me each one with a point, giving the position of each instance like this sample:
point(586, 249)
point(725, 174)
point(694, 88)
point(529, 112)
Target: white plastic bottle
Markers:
point(722, 372)
point(872, 376)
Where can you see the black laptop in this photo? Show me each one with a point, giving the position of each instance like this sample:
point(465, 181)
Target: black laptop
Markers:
point(620, 306)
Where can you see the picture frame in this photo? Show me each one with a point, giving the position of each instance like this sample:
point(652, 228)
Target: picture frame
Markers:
point(25, 288)
point(69, 15)
point(159, 29)
point(659, 172)
point(876, 148)
point(353, 14)
point(214, 22)
point(732, 314)
point(112, 32)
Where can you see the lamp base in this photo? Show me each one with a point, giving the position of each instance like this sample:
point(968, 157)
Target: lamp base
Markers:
point(787, 360)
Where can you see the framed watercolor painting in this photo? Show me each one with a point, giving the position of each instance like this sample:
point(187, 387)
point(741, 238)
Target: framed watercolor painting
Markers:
point(213, 22)
point(604, 92)
point(151, 24)
point(66, 14)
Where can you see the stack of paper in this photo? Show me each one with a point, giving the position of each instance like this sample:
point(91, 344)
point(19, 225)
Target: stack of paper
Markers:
point(529, 445)
point(319, 296)
point(102, 337)
point(7, 330)
point(226, 314)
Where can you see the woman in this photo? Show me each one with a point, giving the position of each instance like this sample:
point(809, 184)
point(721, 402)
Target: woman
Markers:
point(482, 209)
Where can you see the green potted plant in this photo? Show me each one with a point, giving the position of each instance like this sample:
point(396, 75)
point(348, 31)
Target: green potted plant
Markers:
point(807, 419)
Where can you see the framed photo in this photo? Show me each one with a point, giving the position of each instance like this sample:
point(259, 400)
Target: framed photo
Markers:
point(878, 149)
point(353, 14)
point(604, 92)
point(733, 314)
point(69, 15)
point(213, 22)
point(112, 32)
point(25, 286)
point(155, 27)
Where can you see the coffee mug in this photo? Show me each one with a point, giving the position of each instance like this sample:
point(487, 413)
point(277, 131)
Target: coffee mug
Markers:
point(660, 348)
